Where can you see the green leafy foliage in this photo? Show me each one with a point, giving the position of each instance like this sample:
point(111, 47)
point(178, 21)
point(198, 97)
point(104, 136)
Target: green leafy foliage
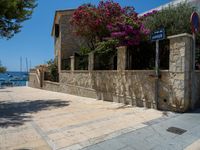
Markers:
point(53, 70)
point(81, 62)
point(2, 68)
point(106, 46)
point(175, 19)
point(12, 14)
point(84, 50)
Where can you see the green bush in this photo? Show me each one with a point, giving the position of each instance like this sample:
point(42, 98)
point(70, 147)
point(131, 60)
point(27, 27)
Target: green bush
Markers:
point(2, 68)
point(175, 19)
point(53, 70)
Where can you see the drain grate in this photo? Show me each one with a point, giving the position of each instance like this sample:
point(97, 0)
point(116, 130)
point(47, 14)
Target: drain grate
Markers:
point(176, 130)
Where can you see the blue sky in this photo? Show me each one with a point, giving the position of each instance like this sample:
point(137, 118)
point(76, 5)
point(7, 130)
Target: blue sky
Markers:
point(35, 41)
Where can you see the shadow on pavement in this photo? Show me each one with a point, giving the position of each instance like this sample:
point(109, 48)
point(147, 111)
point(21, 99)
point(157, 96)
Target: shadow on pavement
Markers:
point(5, 91)
point(17, 113)
point(197, 110)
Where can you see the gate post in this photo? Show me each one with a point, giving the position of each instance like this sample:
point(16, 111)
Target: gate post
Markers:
point(179, 76)
point(121, 58)
point(91, 61)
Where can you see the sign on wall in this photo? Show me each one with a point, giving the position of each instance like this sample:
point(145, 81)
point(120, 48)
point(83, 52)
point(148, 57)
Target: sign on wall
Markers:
point(158, 35)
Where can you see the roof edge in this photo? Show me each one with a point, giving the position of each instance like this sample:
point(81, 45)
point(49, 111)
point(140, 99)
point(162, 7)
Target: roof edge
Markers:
point(56, 13)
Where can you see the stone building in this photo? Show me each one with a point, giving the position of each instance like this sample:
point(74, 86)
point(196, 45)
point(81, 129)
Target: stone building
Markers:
point(65, 41)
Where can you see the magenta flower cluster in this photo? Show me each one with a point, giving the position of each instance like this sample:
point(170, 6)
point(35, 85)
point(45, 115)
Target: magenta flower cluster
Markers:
point(110, 21)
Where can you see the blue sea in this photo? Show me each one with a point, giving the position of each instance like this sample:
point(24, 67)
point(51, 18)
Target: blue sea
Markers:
point(13, 78)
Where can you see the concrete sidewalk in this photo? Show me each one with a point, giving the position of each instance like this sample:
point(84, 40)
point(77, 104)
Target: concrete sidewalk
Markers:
point(155, 136)
point(42, 120)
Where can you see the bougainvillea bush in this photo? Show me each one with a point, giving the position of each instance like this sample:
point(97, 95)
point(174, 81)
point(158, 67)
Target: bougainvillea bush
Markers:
point(108, 21)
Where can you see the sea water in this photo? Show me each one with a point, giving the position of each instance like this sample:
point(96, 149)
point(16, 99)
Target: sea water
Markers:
point(13, 78)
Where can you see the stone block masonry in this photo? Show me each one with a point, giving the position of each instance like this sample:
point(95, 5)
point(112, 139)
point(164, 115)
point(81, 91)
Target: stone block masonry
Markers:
point(138, 87)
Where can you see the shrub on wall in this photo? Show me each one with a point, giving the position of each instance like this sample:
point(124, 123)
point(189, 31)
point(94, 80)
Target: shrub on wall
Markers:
point(175, 19)
point(53, 70)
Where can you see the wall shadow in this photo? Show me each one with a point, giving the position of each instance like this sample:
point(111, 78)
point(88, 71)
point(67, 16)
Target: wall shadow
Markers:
point(17, 113)
point(5, 91)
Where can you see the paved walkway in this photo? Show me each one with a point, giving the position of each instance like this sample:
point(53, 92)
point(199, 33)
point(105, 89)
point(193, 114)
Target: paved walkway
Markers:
point(42, 120)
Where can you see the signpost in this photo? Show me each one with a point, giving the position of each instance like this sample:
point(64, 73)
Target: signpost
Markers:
point(156, 36)
point(195, 23)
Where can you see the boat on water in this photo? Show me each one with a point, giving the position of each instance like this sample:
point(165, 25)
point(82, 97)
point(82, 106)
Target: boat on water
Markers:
point(10, 79)
point(6, 83)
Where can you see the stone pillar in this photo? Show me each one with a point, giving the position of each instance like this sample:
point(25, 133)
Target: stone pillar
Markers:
point(121, 58)
point(121, 67)
point(180, 67)
point(72, 65)
point(91, 61)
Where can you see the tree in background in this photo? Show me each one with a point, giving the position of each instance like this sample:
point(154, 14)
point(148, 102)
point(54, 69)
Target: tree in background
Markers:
point(175, 19)
point(2, 68)
point(12, 14)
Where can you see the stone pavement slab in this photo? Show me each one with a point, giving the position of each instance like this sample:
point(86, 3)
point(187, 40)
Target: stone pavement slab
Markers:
point(156, 137)
point(43, 120)
point(37, 119)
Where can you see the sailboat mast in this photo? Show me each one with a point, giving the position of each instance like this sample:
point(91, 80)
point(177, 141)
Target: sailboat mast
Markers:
point(26, 64)
point(30, 64)
point(20, 64)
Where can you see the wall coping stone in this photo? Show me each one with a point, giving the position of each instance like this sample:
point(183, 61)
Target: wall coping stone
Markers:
point(179, 35)
point(56, 83)
point(124, 71)
point(81, 71)
point(32, 73)
point(65, 71)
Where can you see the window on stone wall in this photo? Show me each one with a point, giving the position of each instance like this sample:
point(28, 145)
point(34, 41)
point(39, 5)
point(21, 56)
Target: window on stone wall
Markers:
point(57, 30)
point(142, 57)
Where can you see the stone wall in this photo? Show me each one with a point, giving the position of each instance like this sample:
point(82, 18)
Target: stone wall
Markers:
point(51, 86)
point(69, 89)
point(138, 88)
point(33, 80)
point(130, 87)
point(171, 91)
point(178, 81)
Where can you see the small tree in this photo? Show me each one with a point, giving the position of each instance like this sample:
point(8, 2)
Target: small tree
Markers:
point(53, 70)
point(12, 14)
point(108, 21)
point(2, 68)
